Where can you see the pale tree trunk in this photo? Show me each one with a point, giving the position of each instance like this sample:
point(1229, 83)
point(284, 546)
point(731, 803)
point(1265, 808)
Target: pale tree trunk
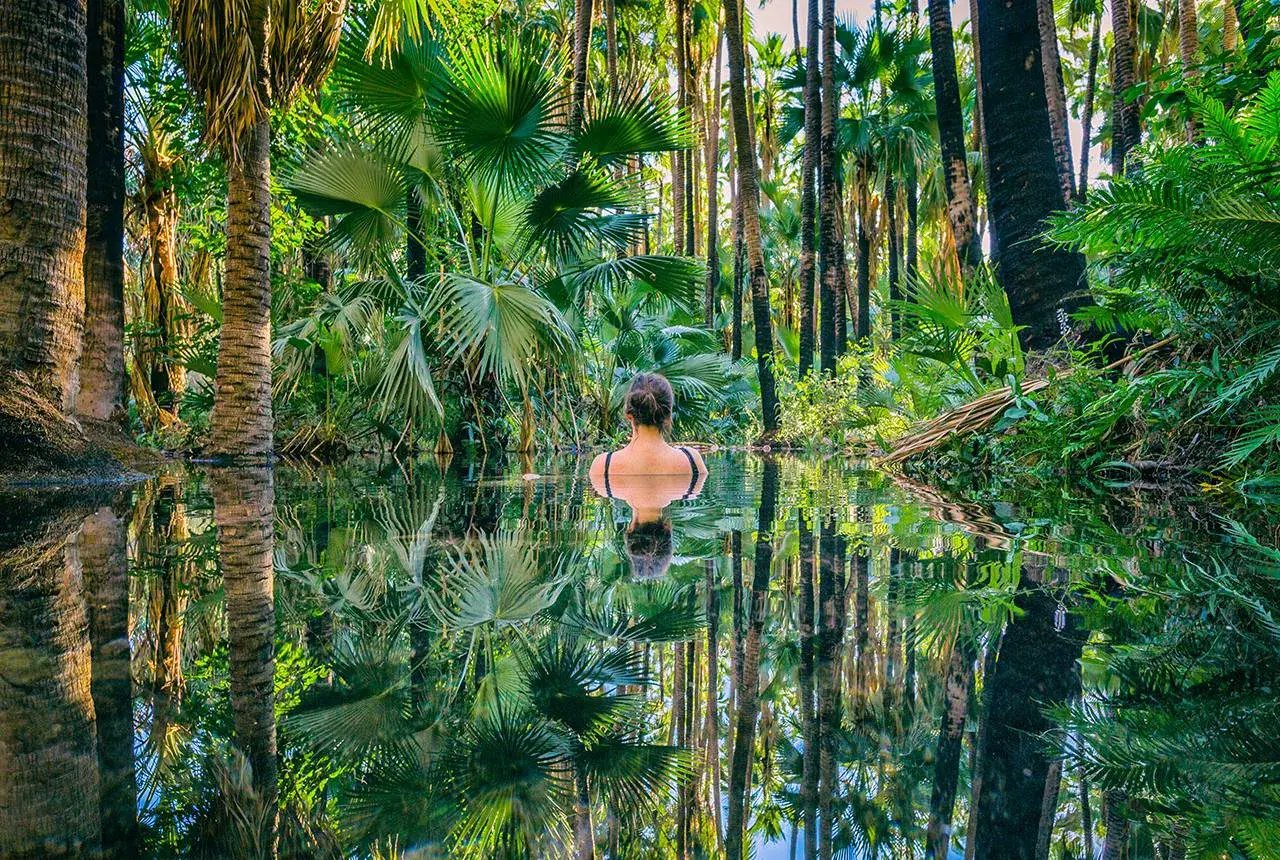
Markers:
point(611, 44)
point(242, 421)
point(830, 248)
point(749, 206)
point(1056, 95)
point(1124, 112)
point(1188, 42)
point(1230, 26)
point(43, 132)
point(159, 373)
point(103, 554)
point(49, 789)
point(243, 510)
point(102, 377)
point(808, 190)
point(1086, 112)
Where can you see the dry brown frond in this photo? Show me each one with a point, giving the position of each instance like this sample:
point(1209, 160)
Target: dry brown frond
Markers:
point(303, 45)
point(216, 40)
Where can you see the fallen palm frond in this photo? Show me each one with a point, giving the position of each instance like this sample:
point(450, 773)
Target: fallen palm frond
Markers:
point(982, 412)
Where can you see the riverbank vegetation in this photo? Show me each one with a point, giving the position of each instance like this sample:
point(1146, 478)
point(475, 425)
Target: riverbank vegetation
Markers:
point(334, 229)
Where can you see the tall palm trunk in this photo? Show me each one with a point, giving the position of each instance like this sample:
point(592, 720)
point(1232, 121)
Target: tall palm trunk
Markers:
point(862, 321)
point(946, 772)
point(747, 708)
point(749, 206)
point(962, 212)
point(1056, 95)
point(913, 221)
point(1188, 42)
point(1230, 25)
point(611, 44)
point(739, 256)
point(808, 191)
point(1041, 281)
point(712, 287)
point(828, 658)
point(808, 708)
point(103, 553)
point(49, 790)
point(243, 511)
point(102, 379)
point(241, 422)
point(891, 229)
point(42, 183)
point(582, 12)
point(1086, 112)
point(829, 244)
point(1124, 111)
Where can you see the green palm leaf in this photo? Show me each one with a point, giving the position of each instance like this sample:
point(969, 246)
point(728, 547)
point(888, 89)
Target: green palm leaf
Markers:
point(636, 121)
point(362, 188)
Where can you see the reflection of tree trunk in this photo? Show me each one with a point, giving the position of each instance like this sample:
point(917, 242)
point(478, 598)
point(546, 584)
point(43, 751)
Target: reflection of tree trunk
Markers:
point(49, 792)
point(1048, 808)
point(748, 705)
point(106, 574)
point(830, 631)
point(808, 713)
point(946, 771)
point(584, 839)
point(1036, 669)
point(1086, 812)
point(1115, 818)
point(243, 509)
point(712, 287)
point(712, 728)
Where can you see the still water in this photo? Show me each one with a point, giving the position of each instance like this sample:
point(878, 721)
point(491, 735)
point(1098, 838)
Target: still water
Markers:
point(800, 658)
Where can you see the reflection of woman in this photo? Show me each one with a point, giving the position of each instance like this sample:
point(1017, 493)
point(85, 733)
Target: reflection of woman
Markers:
point(649, 474)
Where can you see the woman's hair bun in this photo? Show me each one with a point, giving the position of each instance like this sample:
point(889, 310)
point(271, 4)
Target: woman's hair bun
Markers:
point(650, 401)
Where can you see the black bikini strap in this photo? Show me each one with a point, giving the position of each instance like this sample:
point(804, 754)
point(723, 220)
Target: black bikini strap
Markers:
point(693, 471)
point(608, 491)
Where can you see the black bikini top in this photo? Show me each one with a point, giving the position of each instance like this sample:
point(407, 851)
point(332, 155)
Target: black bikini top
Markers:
point(688, 455)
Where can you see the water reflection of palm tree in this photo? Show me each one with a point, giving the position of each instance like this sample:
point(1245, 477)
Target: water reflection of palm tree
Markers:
point(244, 501)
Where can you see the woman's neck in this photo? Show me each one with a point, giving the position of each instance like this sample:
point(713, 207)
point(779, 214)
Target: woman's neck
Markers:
point(645, 437)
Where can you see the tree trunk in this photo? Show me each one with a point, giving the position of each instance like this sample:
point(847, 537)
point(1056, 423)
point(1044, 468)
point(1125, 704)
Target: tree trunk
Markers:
point(1086, 813)
point(43, 134)
point(980, 129)
point(611, 44)
point(161, 376)
point(584, 838)
point(891, 229)
point(913, 222)
point(582, 12)
point(739, 259)
point(1049, 808)
point(103, 553)
point(241, 423)
point(862, 324)
point(102, 379)
point(243, 512)
point(1042, 282)
point(829, 245)
point(1056, 96)
point(1086, 112)
point(747, 708)
point(49, 789)
point(1188, 42)
point(1230, 26)
point(712, 289)
point(828, 660)
point(1124, 111)
point(749, 205)
point(1115, 818)
point(808, 707)
point(961, 209)
point(415, 251)
point(808, 193)
point(946, 772)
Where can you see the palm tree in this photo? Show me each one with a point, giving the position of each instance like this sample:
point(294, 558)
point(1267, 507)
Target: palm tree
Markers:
point(242, 60)
point(1056, 96)
point(1188, 39)
point(830, 240)
point(962, 212)
point(710, 298)
point(102, 380)
point(1086, 112)
point(1041, 281)
point(582, 14)
point(749, 208)
point(808, 187)
point(1125, 131)
point(42, 224)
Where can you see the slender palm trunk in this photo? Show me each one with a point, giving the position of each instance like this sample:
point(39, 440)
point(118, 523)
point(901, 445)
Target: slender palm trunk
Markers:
point(415, 250)
point(584, 837)
point(808, 192)
point(1056, 95)
point(1124, 110)
point(243, 511)
point(1188, 42)
point(43, 134)
point(829, 630)
point(1048, 809)
point(808, 707)
point(1086, 813)
point(961, 209)
point(1230, 25)
point(242, 420)
point(712, 288)
point(747, 708)
point(1115, 818)
point(582, 13)
point(611, 44)
point(913, 221)
point(891, 229)
point(102, 379)
point(1042, 282)
point(946, 773)
point(749, 205)
point(739, 260)
point(862, 322)
point(1086, 111)
point(830, 248)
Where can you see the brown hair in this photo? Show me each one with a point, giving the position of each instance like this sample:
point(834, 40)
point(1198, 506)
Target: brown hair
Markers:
point(650, 401)
point(649, 549)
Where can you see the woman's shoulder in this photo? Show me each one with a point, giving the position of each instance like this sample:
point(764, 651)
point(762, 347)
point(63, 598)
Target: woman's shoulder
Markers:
point(693, 449)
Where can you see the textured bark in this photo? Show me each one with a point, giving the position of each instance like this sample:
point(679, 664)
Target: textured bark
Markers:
point(749, 206)
point(1035, 670)
point(1086, 111)
point(160, 379)
point(242, 422)
point(1048, 809)
point(1115, 819)
point(962, 212)
point(1188, 43)
point(808, 190)
point(957, 688)
point(611, 44)
point(49, 790)
point(582, 13)
point(584, 838)
point(243, 511)
point(103, 554)
point(829, 244)
point(808, 706)
point(913, 222)
point(747, 707)
point(1086, 814)
point(1041, 281)
point(415, 251)
point(102, 377)
point(1230, 25)
point(862, 320)
point(1056, 96)
point(895, 248)
point(1124, 112)
point(828, 659)
point(712, 288)
point(43, 132)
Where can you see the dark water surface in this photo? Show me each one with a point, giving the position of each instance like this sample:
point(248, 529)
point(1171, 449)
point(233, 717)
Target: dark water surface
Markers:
point(353, 663)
